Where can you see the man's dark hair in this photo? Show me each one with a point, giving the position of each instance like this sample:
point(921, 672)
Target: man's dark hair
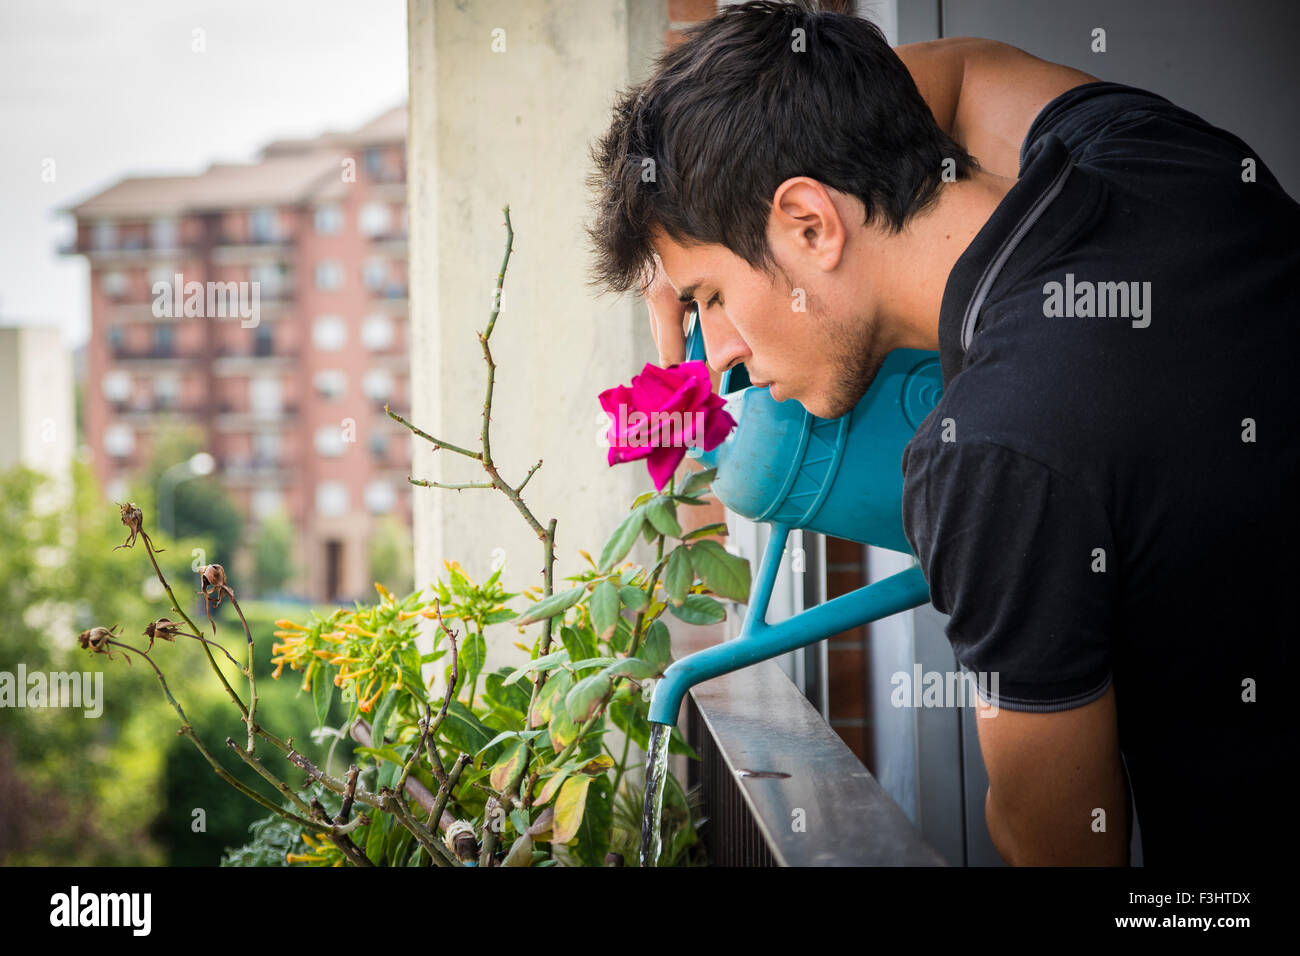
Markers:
point(734, 110)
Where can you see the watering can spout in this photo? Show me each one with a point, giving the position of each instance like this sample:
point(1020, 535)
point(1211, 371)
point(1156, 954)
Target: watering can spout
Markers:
point(760, 641)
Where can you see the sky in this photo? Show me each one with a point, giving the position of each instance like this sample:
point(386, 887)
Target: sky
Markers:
point(110, 88)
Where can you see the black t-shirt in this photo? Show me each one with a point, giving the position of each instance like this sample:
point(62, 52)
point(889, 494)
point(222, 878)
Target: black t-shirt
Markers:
point(1107, 491)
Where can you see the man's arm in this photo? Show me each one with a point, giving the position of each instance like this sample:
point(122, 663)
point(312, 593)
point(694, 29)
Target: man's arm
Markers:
point(1049, 774)
point(985, 94)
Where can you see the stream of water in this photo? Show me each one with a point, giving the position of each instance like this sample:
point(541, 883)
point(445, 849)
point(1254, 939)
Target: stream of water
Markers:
point(656, 770)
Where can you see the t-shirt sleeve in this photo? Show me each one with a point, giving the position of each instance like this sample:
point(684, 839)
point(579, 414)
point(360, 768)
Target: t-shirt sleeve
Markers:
point(1021, 559)
point(1111, 126)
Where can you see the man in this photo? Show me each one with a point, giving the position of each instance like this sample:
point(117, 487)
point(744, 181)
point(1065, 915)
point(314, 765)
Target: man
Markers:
point(1104, 499)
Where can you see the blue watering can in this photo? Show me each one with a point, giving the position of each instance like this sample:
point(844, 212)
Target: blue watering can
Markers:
point(842, 477)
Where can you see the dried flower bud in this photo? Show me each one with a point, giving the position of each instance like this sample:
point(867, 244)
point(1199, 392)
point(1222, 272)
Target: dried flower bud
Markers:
point(214, 575)
point(133, 518)
point(96, 639)
point(162, 629)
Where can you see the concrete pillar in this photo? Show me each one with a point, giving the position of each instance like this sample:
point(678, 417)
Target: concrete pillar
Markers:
point(505, 99)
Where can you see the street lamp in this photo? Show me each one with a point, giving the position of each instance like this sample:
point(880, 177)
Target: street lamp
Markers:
point(195, 467)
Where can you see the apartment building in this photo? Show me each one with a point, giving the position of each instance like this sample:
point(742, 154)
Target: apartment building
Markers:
point(266, 303)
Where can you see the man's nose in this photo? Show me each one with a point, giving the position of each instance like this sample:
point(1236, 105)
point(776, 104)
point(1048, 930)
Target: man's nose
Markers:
point(723, 346)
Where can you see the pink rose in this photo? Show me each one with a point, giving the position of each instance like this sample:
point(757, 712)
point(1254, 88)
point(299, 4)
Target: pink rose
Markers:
point(665, 411)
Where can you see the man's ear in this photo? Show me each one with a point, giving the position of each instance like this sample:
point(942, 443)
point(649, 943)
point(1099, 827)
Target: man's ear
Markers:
point(806, 223)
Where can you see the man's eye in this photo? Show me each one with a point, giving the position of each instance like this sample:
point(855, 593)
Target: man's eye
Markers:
point(712, 302)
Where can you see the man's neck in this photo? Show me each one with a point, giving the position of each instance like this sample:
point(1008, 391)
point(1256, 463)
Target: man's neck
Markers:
point(918, 260)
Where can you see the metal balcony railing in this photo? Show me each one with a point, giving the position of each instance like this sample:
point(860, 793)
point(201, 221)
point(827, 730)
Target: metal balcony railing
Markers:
point(778, 785)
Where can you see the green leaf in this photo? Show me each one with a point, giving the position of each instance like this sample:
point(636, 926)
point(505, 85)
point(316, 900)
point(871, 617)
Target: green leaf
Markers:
point(521, 852)
point(663, 515)
point(708, 529)
point(604, 609)
point(549, 662)
point(514, 697)
point(643, 498)
point(554, 689)
point(549, 607)
point(519, 819)
point(697, 482)
point(462, 729)
point(633, 599)
point(549, 788)
point(584, 697)
point(570, 808)
point(597, 820)
point(699, 609)
point(656, 648)
point(473, 653)
point(722, 572)
point(678, 575)
point(507, 734)
point(507, 765)
point(622, 638)
point(382, 753)
point(579, 642)
point(632, 667)
point(590, 662)
point(376, 839)
point(621, 541)
point(322, 695)
point(385, 714)
point(629, 716)
point(562, 727)
point(398, 843)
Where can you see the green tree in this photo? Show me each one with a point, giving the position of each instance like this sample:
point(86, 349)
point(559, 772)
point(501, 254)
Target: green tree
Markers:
point(78, 789)
point(273, 555)
point(390, 555)
point(201, 506)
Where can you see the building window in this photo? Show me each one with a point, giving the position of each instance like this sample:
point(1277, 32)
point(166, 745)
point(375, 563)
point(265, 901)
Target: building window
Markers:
point(331, 499)
point(329, 333)
point(164, 233)
point(329, 441)
point(380, 497)
point(166, 391)
point(164, 274)
point(113, 284)
point(329, 219)
point(263, 225)
point(329, 275)
point(263, 341)
point(264, 397)
point(117, 386)
point(375, 219)
point(164, 341)
point(267, 502)
point(119, 440)
point(104, 235)
point(377, 332)
point(116, 339)
point(379, 445)
point(374, 158)
point(272, 279)
point(331, 382)
point(375, 273)
point(377, 384)
point(266, 449)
